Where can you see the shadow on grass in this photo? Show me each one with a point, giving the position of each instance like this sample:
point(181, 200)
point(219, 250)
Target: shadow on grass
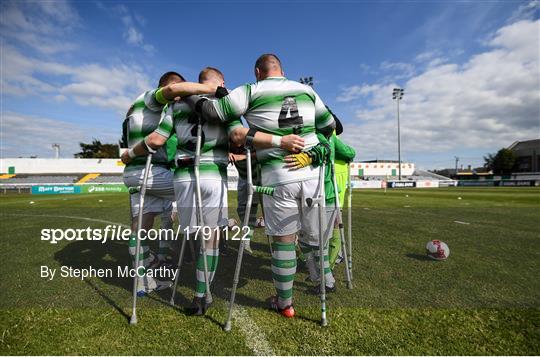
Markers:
point(419, 257)
point(111, 255)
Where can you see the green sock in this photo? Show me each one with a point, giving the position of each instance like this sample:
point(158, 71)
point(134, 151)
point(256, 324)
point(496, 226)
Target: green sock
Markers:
point(328, 276)
point(144, 254)
point(283, 271)
point(212, 258)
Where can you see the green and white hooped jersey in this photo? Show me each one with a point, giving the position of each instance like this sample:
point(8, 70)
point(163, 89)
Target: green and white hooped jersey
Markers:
point(142, 119)
point(178, 118)
point(278, 106)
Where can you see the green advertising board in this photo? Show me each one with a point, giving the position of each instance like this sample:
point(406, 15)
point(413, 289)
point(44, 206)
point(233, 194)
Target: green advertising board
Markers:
point(105, 188)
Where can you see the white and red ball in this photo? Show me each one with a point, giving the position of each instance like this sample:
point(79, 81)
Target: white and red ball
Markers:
point(437, 250)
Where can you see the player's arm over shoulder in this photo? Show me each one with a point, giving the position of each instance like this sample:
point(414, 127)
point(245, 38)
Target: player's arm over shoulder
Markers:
point(232, 106)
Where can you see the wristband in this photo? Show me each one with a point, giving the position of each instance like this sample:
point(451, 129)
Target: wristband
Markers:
point(131, 153)
point(276, 141)
point(250, 136)
point(159, 97)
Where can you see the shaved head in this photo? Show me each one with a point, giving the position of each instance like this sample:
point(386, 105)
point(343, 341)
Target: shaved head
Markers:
point(268, 64)
point(211, 74)
point(170, 77)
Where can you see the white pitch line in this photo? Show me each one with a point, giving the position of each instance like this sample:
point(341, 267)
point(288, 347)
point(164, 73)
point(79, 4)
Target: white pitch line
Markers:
point(255, 337)
point(460, 222)
point(68, 217)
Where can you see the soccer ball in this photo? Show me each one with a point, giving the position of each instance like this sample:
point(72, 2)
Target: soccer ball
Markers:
point(437, 250)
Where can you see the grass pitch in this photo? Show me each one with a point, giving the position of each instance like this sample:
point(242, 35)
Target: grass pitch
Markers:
point(485, 299)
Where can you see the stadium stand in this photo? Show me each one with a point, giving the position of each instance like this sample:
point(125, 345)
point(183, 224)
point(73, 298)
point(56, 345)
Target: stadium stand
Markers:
point(40, 179)
point(107, 179)
point(427, 175)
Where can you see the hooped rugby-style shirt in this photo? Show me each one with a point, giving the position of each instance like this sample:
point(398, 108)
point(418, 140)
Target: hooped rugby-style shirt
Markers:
point(178, 118)
point(142, 119)
point(278, 106)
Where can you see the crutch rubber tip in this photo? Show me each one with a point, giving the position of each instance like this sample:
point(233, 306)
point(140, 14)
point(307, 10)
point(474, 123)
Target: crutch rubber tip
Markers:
point(171, 302)
point(324, 323)
point(133, 320)
point(227, 327)
point(349, 286)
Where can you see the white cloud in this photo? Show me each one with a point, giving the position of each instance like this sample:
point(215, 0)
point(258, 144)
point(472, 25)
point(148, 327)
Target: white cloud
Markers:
point(110, 87)
point(40, 25)
point(133, 37)
point(399, 70)
point(132, 34)
point(25, 135)
point(525, 11)
point(486, 103)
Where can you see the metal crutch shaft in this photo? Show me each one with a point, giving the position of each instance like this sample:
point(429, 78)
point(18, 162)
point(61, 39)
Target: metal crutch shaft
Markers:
point(322, 220)
point(242, 243)
point(180, 259)
point(341, 229)
point(198, 204)
point(349, 218)
point(133, 319)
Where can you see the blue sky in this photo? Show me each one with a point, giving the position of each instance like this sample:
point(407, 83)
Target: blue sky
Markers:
point(469, 69)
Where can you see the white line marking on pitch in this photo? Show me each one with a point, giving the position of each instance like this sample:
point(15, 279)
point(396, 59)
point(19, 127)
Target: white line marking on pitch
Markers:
point(68, 217)
point(460, 222)
point(255, 338)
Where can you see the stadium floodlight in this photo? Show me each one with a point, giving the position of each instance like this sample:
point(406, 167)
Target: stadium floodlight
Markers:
point(397, 95)
point(307, 80)
point(56, 148)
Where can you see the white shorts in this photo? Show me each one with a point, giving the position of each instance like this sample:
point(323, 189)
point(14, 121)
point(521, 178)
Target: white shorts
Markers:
point(159, 189)
point(312, 238)
point(286, 212)
point(214, 199)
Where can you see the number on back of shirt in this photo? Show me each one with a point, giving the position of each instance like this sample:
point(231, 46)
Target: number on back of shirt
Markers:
point(289, 117)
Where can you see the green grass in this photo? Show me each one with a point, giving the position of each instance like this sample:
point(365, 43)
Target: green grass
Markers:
point(485, 299)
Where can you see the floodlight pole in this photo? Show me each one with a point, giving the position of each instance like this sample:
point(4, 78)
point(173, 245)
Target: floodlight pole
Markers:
point(397, 95)
point(56, 148)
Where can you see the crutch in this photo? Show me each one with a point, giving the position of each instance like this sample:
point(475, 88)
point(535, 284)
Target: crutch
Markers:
point(341, 228)
point(349, 218)
point(185, 240)
point(261, 202)
point(133, 319)
point(198, 203)
point(320, 201)
point(267, 236)
point(180, 259)
point(251, 190)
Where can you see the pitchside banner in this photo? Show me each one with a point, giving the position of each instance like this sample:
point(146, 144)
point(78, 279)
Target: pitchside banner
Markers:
point(108, 188)
point(55, 190)
point(74, 189)
point(401, 184)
